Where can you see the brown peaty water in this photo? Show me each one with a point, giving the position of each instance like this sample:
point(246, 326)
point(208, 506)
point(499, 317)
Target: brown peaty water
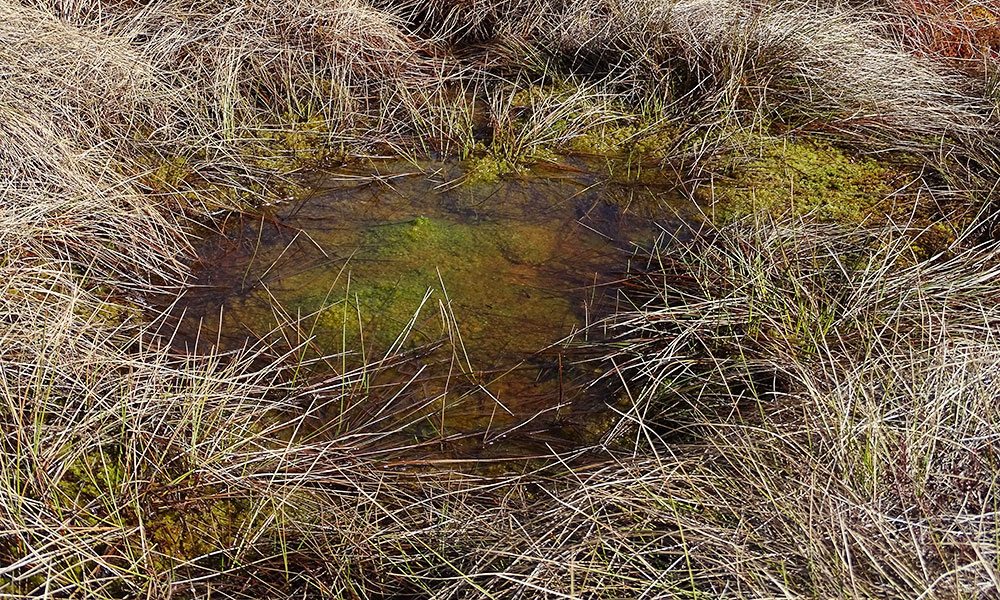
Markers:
point(486, 288)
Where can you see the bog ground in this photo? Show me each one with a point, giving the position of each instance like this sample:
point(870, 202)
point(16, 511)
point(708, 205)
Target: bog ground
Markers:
point(794, 394)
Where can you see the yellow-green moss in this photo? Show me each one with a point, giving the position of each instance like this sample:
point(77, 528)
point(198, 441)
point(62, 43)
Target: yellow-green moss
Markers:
point(95, 490)
point(92, 476)
point(586, 124)
point(803, 177)
point(635, 137)
point(295, 141)
point(190, 530)
point(168, 174)
point(489, 168)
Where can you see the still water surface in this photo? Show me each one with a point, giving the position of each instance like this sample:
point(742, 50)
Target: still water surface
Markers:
point(487, 287)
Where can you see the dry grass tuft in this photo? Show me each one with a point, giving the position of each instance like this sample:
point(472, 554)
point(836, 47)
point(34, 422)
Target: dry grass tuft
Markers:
point(797, 61)
point(841, 402)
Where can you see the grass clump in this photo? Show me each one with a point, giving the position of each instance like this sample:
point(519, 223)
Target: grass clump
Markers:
point(802, 363)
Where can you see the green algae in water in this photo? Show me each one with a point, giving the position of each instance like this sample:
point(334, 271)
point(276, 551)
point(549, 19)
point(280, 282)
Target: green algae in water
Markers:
point(488, 272)
point(502, 271)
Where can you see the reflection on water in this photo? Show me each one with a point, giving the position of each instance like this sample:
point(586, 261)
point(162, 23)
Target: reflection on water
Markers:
point(391, 256)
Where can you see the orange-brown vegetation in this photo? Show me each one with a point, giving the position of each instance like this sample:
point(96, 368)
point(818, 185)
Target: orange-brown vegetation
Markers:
point(956, 29)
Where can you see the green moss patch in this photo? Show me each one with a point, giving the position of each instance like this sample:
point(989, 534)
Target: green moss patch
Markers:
point(804, 177)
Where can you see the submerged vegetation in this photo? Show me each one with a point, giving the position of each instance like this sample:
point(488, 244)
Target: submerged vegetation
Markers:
point(804, 381)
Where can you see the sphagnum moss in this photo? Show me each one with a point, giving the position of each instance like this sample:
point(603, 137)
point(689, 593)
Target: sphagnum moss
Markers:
point(802, 177)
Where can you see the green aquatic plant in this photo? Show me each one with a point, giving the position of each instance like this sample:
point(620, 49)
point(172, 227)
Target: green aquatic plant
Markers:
point(488, 168)
point(484, 269)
